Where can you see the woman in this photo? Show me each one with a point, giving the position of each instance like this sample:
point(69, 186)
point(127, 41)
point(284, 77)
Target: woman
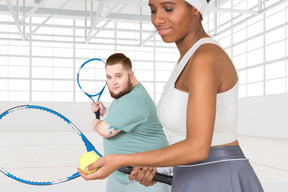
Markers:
point(198, 108)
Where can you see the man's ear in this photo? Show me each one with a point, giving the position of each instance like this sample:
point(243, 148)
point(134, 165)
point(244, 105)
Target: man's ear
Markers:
point(132, 73)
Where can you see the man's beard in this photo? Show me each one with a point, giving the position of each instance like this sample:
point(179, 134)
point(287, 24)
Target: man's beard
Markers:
point(121, 93)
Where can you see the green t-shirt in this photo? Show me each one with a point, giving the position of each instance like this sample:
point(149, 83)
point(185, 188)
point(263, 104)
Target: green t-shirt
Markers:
point(135, 114)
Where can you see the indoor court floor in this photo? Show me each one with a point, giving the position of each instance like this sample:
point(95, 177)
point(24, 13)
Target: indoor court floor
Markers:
point(268, 157)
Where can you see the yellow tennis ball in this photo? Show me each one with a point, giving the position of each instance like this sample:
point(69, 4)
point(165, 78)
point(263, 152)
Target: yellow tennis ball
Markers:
point(87, 159)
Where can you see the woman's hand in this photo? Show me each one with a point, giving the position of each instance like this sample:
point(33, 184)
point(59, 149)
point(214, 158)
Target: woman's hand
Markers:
point(106, 165)
point(143, 175)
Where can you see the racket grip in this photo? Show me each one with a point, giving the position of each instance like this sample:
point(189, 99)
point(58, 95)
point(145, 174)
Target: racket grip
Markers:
point(158, 176)
point(97, 114)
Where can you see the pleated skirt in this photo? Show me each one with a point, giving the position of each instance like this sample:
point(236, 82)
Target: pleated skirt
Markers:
point(225, 170)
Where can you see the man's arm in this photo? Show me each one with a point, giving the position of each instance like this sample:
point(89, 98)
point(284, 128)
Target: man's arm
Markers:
point(104, 129)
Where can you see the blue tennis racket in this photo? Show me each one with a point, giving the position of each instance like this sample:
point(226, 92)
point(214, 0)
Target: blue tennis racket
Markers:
point(91, 79)
point(39, 146)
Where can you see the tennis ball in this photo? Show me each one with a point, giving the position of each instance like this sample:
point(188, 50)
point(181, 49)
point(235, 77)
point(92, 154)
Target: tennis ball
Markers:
point(87, 159)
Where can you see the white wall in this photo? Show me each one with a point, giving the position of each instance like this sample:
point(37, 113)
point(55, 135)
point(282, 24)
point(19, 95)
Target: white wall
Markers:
point(265, 116)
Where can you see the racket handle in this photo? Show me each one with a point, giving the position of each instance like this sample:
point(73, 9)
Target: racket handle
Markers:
point(158, 176)
point(97, 114)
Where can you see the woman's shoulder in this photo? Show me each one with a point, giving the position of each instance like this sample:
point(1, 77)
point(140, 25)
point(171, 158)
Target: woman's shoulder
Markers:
point(211, 61)
point(209, 51)
point(209, 55)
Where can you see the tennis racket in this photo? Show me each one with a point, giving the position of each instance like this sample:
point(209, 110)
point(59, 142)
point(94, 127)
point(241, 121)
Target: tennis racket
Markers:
point(89, 71)
point(158, 176)
point(40, 146)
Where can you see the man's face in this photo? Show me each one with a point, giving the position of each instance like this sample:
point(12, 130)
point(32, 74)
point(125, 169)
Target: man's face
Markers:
point(118, 80)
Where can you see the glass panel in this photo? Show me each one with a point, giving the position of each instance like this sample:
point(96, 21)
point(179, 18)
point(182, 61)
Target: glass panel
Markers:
point(275, 86)
point(18, 96)
point(242, 75)
point(242, 91)
point(255, 74)
point(144, 75)
point(255, 57)
point(275, 70)
point(275, 51)
point(255, 89)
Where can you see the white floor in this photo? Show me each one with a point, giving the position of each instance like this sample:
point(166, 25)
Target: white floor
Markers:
point(268, 156)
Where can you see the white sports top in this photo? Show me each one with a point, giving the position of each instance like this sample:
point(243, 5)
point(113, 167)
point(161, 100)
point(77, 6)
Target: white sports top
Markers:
point(172, 107)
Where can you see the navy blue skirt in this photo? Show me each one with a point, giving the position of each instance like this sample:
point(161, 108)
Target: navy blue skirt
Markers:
point(225, 170)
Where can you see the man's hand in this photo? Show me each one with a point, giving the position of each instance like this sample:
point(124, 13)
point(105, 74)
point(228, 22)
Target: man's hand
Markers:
point(98, 105)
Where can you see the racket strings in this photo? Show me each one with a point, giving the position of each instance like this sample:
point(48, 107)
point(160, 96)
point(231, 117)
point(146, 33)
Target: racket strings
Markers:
point(30, 152)
point(92, 77)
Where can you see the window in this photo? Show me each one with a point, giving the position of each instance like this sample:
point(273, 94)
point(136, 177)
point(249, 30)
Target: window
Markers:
point(44, 67)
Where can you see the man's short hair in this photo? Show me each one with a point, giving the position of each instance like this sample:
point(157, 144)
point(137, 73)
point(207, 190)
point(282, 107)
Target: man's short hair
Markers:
point(119, 58)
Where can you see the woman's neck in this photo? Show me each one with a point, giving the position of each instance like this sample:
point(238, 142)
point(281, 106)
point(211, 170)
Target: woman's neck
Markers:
point(190, 39)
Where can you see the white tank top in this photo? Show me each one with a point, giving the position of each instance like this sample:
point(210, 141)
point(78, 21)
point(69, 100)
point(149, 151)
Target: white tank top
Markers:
point(172, 107)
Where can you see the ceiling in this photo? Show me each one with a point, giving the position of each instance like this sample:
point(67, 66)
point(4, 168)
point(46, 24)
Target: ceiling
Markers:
point(78, 8)
point(95, 11)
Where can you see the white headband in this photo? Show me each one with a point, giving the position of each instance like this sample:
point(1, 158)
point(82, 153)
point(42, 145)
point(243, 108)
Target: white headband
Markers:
point(200, 5)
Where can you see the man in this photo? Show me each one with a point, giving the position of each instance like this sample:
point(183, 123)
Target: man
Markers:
point(131, 125)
